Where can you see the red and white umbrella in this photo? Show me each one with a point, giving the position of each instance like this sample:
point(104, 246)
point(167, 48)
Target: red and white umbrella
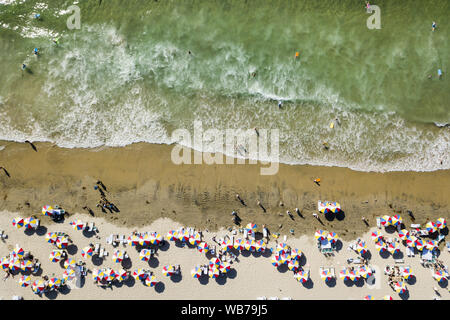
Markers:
point(144, 255)
point(87, 252)
point(25, 281)
point(203, 247)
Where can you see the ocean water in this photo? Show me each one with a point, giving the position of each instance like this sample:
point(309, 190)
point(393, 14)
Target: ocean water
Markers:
point(127, 76)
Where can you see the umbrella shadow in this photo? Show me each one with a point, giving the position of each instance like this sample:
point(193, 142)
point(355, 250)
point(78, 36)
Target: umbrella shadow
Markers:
point(160, 287)
point(256, 254)
point(258, 235)
point(64, 290)
point(153, 262)
point(246, 253)
point(398, 255)
point(308, 284)
point(126, 263)
point(88, 234)
point(51, 294)
point(385, 254)
point(349, 283)
point(232, 273)
point(283, 268)
point(331, 283)
point(340, 215)
point(302, 261)
point(204, 279)
point(176, 277)
point(443, 283)
point(338, 245)
point(221, 279)
point(329, 216)
point(72, 249)
point(41, 230)
point(165, 246)
point(405, 295)
point(29, 232)
point(412, 280)
point(180, 244)
point(130, 282)
point(367, 255)
point(118, 284)
point(444, 231)
point(267, 253)
point(96, 260)
point(390, 229)
point(360, 282)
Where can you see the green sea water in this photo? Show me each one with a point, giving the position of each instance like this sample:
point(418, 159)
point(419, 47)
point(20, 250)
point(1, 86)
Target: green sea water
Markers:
point(127, 76)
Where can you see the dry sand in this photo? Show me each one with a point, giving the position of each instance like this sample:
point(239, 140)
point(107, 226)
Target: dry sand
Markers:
point(253, 276)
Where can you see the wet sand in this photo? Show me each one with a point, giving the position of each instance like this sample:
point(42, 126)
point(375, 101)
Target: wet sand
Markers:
point(145, 185)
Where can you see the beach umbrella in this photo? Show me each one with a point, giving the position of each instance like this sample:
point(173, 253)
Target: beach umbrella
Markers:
point(213, 272)
point(214, 262)
point(38, 286)
point(5, 263)
point(26, 265)
point(145, 240)
point(144, 255)
point(122, 275)
point(18, 222)
point(441, 223)
point(110, 274)
point(407, 273)
point(393, 248)
point(411, 241)
point(227, 245)
point(224, 267)
point(296, 254)
point(276, 260)
point(387, 298)
point(87, 252)
point(380, 246)
point(183, 236)
point(14, 264)
point(196, 272)
point(376, 236)
point(320, 235)
point(195, 239)
point(293, 264)
point(251, 227)
point(431, 244)
point(332, 237)
point(133, 240)
point(70, 263)
point(420, 244)
point(285, 257)
point(439, 275)
point(354, 275)
point(172, 235)
point(396, 220)
point(97, 275)
point(68, 274)
point(369, 297)
point(239, 244)
point(155, 238)
point(62, 242)
point(400, 287)
point(55, 256)
point(54, 283)
point(139, 274)
point(150, 281)
point(258, 245)
point(345, 274)
point(51, 237)
point(385, 220)
point(168, 271)
point(77, 225)
point(117, 256)
point(18, 252)
point(47, 210)
point(403, 234)
point(282, 248)
point(203, 247)
point(24, 281)
point(364, 271)
point(325, 274)
point(335, 207)
point(31, 223)
point(302, 276)
point(248, 245)
point(361, 247)
point(431, 227)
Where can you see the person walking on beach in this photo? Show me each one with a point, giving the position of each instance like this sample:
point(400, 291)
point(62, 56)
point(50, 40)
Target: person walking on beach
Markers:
point(259, 204)
point(32, 145)
point(6, 172)
point(317, 181)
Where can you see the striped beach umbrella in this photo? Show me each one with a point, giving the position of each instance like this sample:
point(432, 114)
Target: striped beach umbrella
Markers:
point(251, 227)
point(172, 235)
point(406, 273)
point(110, 274)
point(203, 247)
point(168, 271)
point(38, 286)
point(150, 280)
point(14, 264)
point(344, 274)
point(18, 222)
point(62, 242)
point(248, 245)
point(369, 297)
point(364, 271)
point(441, 223)
point(393, 248)
point(285, 257)
point(139, 274)
point(361, 247)
point(31, 223)
point(195, 239)
point(293, 264)
point(326, 275)
point(431, 244)
point(385, 220)
point(144, 255)
point(258, 245)
point(282, 248)
point(332, 237)
point(47, 210)
point(97, 275)
point(118, 256)
point(320, 235)
point(51, 237)
point(296, 254)
point(155, 238)
point(70, 263)
point(133, 240)
point(25, 281)
point(224, 267)
point(4, 263)
point(302, 276)
point(77, 224)
point(213, 272)
point(196, 272)
point(54, 283)
point(122, 275)
point(387, 298)
point(227, 245)
point(26, 265)
point(18, 252)
point(402, 234)
point(184, 236)
point(400, 287)
point(380, 246)
point(276, 260)
point(396, 220)
point(420, 244)
point(335, 207)
point(439, 275)
point(68, 274)
point(376, 236)
point(87, 252)
point(431, 227)
point(411, 241)
point(239, 244)
point(55, 256)
point(214, 262)
point(145, 240)
point(354, 275)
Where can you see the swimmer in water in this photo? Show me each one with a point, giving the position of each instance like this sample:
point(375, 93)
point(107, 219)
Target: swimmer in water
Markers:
point(24, 66)
point(56, 41)
point(36, 51)
point(433, 26)
point(439, 73)
point(280, 104)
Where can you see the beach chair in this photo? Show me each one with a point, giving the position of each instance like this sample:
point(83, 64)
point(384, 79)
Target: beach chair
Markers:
point(379, 223)
point(415, 226)
point(399, 261)
point(101, 253)
point(333, 274)
point(440, 238)
point(122, 239)
point(105, 253)
point(109, 239)
point(97, 248)
point(448, 246)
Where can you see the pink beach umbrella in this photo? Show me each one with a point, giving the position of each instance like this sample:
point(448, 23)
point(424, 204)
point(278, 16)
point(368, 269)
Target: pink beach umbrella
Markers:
point(403, 234)
point(239, 244)
point(396, 220)
point(87, 252)
point(196, 272)
point(5, 263)
point(386, 220)
point(150, 280)
point(441, 223)
point(431, 227)
point(144, 255)
point(51, 237)
point(172, 235)
point(376, 236)
point(18, 222)
point(203, 247)
point(25, 281)
point(168, 271)
point(320, 235)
